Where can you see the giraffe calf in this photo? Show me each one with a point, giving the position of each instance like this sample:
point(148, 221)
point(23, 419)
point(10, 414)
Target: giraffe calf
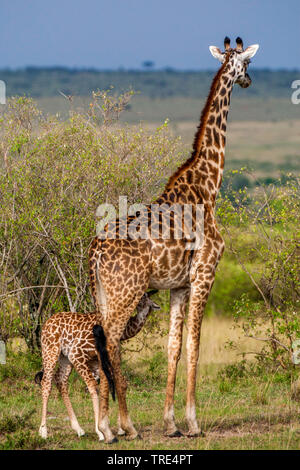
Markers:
point(67, 338)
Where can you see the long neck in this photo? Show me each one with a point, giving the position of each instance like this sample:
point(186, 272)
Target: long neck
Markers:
point(200, 177)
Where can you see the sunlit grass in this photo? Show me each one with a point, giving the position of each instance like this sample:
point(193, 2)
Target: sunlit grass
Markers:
point(236, 409)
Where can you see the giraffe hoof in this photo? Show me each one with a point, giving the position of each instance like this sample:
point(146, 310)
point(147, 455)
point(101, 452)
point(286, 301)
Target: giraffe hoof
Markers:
point(131, 437)
point(196, 434)
point(176, 433)
point(43, 432)
point(112, 441)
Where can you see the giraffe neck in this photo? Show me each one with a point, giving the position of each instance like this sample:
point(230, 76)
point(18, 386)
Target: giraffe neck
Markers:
point(200, 177)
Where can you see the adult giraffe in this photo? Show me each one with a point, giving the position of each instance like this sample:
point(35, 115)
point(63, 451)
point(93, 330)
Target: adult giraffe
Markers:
point(122, 269)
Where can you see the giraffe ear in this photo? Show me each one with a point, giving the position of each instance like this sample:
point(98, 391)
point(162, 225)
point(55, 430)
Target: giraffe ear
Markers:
point(216, 53)
point(249, 52)
point(155, 306)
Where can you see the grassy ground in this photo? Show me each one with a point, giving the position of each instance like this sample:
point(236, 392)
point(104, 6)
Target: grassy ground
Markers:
point(237, 408)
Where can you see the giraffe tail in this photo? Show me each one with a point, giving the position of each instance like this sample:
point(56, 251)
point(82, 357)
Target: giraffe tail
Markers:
point(38, 377)
point(100, 341)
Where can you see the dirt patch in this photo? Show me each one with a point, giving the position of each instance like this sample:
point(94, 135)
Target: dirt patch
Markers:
point(239, 428)
point(254, 425)
point(239, 431)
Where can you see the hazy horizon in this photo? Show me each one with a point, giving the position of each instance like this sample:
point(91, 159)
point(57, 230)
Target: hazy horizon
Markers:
point(137, 69)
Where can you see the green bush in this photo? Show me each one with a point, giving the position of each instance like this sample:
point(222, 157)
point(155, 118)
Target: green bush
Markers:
point(262, 236)
point(10, 424)
point(55, 175)
point(23, 440)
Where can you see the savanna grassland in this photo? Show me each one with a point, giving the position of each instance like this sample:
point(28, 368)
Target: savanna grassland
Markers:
point(247, 393)
point(237, 408)
point(263, 133)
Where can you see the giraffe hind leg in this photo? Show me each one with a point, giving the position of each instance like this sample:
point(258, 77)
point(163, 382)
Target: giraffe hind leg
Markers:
point(49, 363)
point(83, 369)
point(61, 379)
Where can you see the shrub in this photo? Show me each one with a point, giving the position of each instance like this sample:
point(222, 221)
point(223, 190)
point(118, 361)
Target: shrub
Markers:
point(54, 176)
point(268, 253)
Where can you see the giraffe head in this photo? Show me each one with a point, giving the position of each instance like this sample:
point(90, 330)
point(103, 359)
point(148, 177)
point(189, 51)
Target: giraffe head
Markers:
point(147, 303)
point(238, 60)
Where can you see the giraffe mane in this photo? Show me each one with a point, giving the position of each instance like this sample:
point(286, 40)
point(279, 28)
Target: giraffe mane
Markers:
point(201, 127)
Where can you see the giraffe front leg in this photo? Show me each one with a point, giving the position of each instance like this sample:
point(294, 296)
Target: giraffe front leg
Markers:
point(199, 294)
point(178, 303)
point(202, 275)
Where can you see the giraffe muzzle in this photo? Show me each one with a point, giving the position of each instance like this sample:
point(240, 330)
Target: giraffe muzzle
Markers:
point(245, 81)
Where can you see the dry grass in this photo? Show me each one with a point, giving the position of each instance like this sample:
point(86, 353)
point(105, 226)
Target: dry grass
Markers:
point(216, 332)
point(268, 147)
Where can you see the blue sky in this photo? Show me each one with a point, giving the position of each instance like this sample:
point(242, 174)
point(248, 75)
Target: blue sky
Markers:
point(124, 33)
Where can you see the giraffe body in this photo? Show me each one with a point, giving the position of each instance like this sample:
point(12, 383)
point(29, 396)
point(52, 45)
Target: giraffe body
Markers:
point(67, 338)
point(130, 266)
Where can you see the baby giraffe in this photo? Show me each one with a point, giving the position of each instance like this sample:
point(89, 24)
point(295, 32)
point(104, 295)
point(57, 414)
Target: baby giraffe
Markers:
point(68, 338)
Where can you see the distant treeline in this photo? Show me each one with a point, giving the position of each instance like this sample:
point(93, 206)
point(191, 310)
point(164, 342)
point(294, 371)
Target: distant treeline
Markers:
point(42, 82)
